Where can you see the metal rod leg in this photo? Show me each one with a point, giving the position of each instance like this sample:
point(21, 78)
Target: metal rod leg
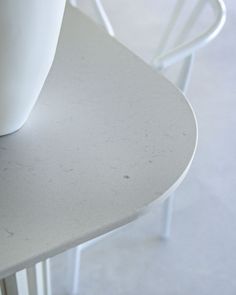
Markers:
point(75, 289)
point(32, 280)
point(46, 268)
point(168, 208)
point(185, 73)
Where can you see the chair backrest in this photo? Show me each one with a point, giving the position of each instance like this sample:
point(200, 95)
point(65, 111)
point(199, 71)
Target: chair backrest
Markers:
point(179, 40)
point(166, 56)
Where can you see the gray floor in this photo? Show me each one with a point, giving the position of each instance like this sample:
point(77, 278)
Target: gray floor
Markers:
point(200, 257)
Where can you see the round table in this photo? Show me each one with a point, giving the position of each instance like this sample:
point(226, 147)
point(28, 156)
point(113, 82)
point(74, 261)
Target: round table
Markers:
point(107, 137)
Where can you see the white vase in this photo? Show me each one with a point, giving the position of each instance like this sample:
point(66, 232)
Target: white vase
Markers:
point(29, 31)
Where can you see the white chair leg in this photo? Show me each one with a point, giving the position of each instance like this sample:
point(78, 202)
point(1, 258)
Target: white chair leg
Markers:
point(168, 208)
point(185, 73)
point(76, 278)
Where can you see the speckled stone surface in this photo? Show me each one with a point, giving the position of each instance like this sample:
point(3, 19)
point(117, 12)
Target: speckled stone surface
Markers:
point(107, 137)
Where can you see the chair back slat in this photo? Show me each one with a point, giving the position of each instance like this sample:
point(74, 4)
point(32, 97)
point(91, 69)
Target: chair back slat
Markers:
point(190, 22)
point(170, 26)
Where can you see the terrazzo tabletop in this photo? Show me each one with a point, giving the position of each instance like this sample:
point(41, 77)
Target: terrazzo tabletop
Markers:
point(107, 137)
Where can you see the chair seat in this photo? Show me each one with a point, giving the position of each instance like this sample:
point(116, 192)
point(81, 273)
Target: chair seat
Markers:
point(106, 138)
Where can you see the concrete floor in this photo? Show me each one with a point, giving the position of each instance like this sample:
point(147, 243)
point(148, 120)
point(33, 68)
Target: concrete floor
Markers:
point(200, 257)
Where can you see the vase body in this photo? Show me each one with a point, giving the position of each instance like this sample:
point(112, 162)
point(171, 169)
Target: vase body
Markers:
point(29, 31)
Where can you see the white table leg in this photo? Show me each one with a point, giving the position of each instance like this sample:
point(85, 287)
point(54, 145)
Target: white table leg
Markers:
point(32, 280)
point(168, 208)
point(47, 284)
point(75, 288)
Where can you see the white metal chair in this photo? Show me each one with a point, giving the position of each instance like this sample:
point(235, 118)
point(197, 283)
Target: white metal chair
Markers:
point(37, 280)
